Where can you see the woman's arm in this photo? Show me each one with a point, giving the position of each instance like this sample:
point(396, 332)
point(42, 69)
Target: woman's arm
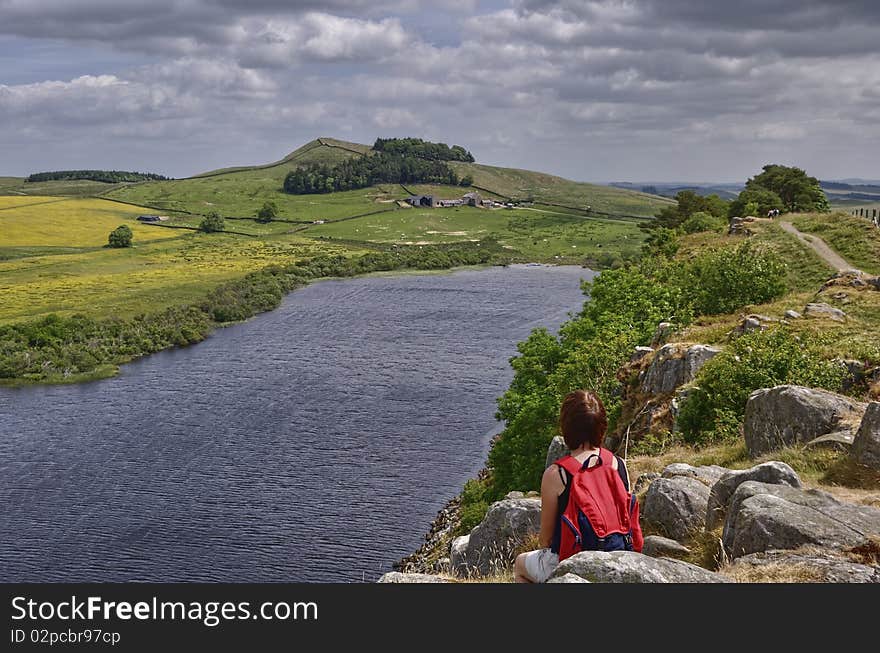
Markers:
point(551, 487)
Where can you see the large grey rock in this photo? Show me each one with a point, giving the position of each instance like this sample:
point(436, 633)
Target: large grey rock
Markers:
point(556, 450)
point(802, 566)
point(706, 474)
point(676, 506)
point(632, 567)
point(773, 472)
point(838, 440)
point(823, 310)
point(398, 577)
point(568, 578)
point(491, 544)
point(458, 555)
point(674, 365)
point(764, 517)
point(788, 414)
point(639, 353)
point(793, 315)
point(866, 446)
point(663, 547)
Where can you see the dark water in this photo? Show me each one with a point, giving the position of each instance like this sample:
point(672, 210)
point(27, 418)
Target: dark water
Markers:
point(314, 443)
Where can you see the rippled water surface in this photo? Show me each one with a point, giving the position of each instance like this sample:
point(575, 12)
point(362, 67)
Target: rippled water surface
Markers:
point(314, 443)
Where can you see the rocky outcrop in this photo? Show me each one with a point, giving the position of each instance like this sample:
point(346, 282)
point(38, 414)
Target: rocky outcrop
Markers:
point(738, 226)
point(706, 474)
point(763, 517)
point(398, 577)
point(632, 567)
point(662, 333)
point(663, 547)
point(815, 566)
point(674, 365)
point(793, 315)
point(788, 414)
point(719, 497)
point(556, 450)
point(639, 353)
point(491, 544)
point(866, 445)
point(826, 311)
point(675, 506)
point(750, 323)
point(643, 482)
point(568, 578)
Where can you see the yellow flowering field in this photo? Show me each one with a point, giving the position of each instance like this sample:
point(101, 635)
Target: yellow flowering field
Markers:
point(70, 222)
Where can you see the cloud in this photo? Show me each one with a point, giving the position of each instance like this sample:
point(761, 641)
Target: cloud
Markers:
point(588, 89)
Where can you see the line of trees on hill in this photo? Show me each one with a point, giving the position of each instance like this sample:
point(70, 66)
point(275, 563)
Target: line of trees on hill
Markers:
point(381, 168)
point(107, 176)
point(423, 149)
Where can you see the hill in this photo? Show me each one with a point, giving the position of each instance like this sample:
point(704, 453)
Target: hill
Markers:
point(240, 191)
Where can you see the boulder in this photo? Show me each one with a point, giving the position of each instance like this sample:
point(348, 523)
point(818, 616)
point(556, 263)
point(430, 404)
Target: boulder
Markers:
point(841, 440)
point(675, 506)
point(866, 445)
point(764, 517)
point(458, 555)
point(674, 365)
point(556, 450)
point(789, 414)
point(801, 566)
point(398, 577)
point(663, 547)
point(632, 567)
point(568, 578)
point(491, 544)
point(793, 315)
point(706, 474)
point(719, 497)
point(639, 353)
point(662, 333)
point(823, 310)
point(644, 481)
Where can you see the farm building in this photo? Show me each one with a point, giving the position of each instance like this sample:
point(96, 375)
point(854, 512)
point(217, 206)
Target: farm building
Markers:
point(421, 200)
point(472, 199)
point(152, 218)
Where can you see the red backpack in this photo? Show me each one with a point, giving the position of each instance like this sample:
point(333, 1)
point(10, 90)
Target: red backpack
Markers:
point(600, 515)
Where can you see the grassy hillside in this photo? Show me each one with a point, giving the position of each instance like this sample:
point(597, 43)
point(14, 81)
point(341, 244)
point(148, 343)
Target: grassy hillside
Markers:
point(53, 259)
point(541, 187)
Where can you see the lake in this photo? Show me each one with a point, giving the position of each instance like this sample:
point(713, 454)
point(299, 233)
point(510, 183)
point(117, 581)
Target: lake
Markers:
point(314, 443)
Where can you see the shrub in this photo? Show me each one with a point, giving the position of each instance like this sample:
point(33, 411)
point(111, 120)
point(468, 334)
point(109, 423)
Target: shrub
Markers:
point(715, 408)
point(725, 280)
point(120, 237)
point(702, 221)
point(212, 223)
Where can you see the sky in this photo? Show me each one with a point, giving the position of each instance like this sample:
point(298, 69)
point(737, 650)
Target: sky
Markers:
point(592, 90)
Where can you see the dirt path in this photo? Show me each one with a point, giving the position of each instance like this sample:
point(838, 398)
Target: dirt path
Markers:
point(828, 255)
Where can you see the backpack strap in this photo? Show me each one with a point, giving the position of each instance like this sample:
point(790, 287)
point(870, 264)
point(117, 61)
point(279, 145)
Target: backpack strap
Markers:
point(570, 464)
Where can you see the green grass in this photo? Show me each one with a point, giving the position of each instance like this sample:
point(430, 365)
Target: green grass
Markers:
point(856, 239)
point(541, 187)
point(68, 188)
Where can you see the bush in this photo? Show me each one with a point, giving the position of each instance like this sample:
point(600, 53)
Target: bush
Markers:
point(724, 280)
point(212, 223)
point(473, 507)
point(120, 237)
point(702, 221)
point(715, 408)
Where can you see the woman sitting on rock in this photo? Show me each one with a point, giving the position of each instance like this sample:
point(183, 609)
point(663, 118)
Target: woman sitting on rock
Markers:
point(600, 481)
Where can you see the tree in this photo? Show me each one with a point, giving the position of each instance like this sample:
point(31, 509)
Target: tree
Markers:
point(268, 212)
point(688, 203)
point(213, 222)
point(121, 236)
point(467, 180)
point(755, 201)
point(796, 191)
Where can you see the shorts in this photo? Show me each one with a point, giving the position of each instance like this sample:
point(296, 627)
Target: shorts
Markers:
point(540, 564)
